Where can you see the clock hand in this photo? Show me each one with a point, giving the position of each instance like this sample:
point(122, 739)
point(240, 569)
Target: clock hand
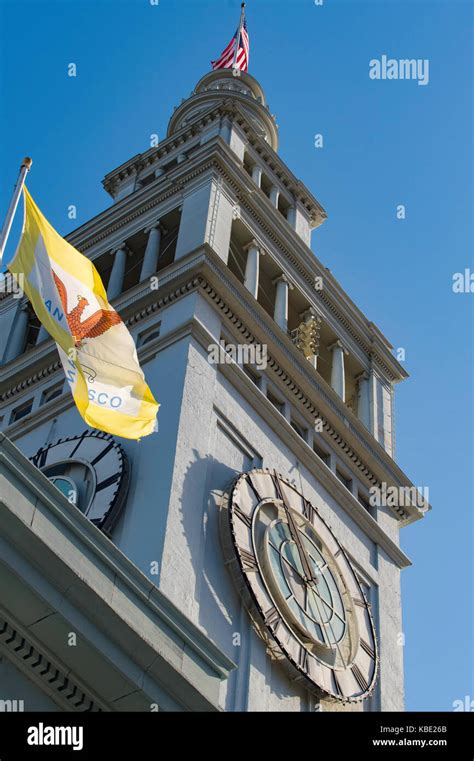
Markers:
point(310, 578)
point(295, 534)
point(318, 599)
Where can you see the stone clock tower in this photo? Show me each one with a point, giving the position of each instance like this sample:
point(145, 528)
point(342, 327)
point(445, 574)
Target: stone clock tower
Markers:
point(236, 560)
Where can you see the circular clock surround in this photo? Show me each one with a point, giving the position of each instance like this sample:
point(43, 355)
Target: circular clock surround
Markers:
point(96, 467)
point(300, 588)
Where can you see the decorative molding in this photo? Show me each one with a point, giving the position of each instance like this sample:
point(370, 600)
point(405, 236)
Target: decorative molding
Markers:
point(223, 161)
point(293, 387)
point(136, 317)
point(31, 380)
point(44, 670)
point(281, 375)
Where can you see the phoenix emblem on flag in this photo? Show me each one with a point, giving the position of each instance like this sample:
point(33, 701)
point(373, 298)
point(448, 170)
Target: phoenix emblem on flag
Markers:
point(92, 327)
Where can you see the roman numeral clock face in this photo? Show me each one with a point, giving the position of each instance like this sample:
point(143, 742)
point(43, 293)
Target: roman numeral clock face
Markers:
point(92, 471)
point(301, 589)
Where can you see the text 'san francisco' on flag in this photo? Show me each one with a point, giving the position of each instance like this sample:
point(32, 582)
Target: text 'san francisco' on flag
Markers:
point(97, 352)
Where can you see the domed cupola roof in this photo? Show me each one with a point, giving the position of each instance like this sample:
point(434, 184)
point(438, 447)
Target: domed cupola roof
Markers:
point(220, 85)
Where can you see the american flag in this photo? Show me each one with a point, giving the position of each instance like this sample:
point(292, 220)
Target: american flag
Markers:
point(226, 58)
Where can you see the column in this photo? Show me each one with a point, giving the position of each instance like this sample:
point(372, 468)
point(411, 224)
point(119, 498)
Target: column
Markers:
point(42, 335)
point(17, 339)
point(252, 268)
point(225, 129)
point(291, 216)
point(274, 196)
point(363, 399)
point(257, 175)
point(115, 285)
point(280, 314)
point(150, 259)
point(337, 369)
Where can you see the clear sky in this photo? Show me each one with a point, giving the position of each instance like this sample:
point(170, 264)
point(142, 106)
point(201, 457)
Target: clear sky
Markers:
point(386, 143)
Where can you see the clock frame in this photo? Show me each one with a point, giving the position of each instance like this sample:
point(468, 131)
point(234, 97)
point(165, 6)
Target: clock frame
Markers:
point(99, 468)
point(342, 667)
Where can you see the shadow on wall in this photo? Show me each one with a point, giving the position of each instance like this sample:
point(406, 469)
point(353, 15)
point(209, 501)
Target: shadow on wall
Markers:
point(222, 614)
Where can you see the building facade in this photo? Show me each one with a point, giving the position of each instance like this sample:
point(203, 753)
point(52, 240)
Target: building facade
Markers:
point(235, 560)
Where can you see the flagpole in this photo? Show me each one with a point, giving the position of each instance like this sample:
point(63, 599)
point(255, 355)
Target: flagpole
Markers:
point(237, 39)
point(24, 169)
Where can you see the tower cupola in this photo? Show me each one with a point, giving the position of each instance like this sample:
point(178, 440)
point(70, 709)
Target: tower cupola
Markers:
point(218, 86)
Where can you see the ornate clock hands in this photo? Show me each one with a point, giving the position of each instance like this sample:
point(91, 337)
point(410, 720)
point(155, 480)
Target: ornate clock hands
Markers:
point(295, 535)
point(310, 578)
point(316, 598)
point(297, 580)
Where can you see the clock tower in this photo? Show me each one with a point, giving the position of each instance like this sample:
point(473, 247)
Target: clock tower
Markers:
point(256, 515)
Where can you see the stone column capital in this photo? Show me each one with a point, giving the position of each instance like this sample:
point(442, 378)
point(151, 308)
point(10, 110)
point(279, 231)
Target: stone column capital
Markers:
point(120, 247)
point(338, 345)
point(154, 226)
point(254, 244)
point(283, 279)
point(363, 376)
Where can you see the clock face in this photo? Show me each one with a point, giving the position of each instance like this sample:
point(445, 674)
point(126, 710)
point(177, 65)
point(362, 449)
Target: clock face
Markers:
point(92, 471)
point(301, 588)
point(259, 127)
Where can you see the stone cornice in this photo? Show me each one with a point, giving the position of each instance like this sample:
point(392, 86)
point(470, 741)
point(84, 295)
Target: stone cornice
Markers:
point(370, 340)
point(311, 461)
point(135, 210)
point(111, 603)
point(52, 677)
point(154, 155)
point(268, 156)
point(342, 429)
point(46, 353)
point(272, 160)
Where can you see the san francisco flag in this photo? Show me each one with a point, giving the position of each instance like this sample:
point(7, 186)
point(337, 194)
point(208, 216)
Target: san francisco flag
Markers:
point(96, 350)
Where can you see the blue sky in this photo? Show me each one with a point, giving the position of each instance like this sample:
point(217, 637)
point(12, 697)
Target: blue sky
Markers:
point(385, 143)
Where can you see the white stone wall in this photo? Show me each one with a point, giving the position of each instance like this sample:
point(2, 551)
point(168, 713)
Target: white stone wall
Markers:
point(208, 456)
point(8, 312)
point(207, 434)
point(382, 410)
point(206, 218)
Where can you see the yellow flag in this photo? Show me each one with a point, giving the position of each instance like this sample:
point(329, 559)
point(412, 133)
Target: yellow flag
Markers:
point(96, 349)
